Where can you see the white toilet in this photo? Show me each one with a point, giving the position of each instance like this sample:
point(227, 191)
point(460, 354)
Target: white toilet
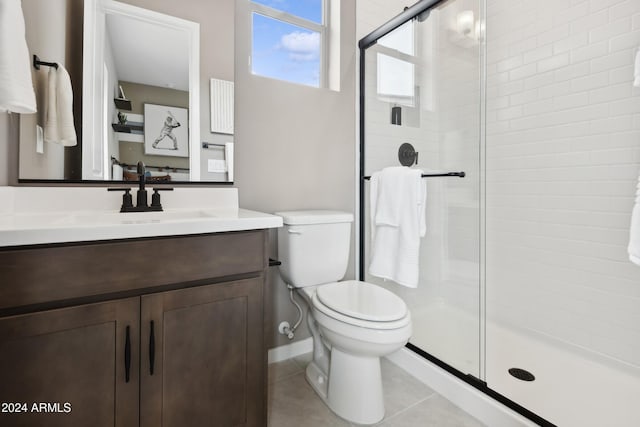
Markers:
point(353, 323)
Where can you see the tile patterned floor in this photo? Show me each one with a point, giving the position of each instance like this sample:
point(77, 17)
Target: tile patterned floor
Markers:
point(409, 403)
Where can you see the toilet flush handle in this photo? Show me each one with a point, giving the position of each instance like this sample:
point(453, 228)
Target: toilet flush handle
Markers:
point(292, 231)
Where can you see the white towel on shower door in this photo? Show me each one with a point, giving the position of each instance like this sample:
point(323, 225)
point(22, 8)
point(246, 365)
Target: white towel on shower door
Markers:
point(16, 87)
point(634, 238)
point(398, 199)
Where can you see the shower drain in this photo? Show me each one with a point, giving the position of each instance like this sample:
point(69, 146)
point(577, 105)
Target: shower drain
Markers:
point(521, 374)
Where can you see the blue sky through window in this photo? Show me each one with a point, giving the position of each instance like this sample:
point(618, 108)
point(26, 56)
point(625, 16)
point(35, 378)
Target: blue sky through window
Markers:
point(284, 51)
point(307, 9)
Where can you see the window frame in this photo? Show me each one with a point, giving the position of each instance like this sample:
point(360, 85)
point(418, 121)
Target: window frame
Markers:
point(322, 29)
point(410, 58)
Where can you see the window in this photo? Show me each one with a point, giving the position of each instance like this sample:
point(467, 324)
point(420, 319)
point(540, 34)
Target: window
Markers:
point(289, 40)
point(401, 39)
point(397, 66)
point(396, 80)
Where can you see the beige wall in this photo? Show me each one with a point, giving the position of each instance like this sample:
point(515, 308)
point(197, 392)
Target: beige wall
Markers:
point(295, 145)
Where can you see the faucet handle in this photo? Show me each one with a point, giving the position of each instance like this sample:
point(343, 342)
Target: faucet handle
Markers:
point(155, 198)
point(127, 201)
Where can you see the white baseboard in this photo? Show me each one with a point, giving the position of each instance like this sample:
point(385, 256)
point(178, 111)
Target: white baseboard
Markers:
point(284, 352)
point(461, 394)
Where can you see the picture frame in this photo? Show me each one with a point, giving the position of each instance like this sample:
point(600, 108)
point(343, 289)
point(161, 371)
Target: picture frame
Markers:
point(166, 130)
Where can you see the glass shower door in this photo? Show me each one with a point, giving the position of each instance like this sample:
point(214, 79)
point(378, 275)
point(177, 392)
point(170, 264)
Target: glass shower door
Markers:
point(422, 86)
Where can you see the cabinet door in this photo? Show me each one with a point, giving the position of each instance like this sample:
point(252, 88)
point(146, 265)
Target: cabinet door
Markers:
point(208, 367)
point(68, 367)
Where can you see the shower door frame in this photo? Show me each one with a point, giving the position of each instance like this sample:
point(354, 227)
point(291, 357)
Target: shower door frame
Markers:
point(369, 40)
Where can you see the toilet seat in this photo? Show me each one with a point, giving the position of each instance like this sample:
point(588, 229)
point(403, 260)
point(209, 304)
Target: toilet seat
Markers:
point(361, 304)
point(362, 300)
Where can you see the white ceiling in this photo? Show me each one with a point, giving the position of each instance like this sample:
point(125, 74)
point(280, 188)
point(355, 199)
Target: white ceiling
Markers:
point(149, 53)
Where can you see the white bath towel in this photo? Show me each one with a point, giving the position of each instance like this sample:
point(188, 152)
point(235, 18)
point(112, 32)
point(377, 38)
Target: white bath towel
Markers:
point(634, 238)
point(16, 87)
point(636, 73)
point(58, 124)
point(398, 199)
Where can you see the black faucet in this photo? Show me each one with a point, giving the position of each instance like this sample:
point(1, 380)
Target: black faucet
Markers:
point(141, 198)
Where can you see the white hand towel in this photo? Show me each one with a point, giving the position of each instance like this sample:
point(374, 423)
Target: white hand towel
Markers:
point(117, 173)
point(16, 87)
point(58, 126)
point(636, 74)
point(398, 200)
point(634, 238)
point(389, 199)
point(228, 156)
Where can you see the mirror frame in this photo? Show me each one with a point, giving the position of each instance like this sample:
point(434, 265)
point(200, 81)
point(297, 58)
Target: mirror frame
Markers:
point(93, 113)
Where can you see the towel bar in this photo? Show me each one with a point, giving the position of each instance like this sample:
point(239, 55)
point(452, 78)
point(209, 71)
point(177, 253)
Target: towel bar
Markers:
point(37, 63)
point(429, 175)
point(212, 145)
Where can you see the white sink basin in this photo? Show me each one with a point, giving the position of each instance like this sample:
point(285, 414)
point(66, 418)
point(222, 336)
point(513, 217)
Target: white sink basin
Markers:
point(26, 221)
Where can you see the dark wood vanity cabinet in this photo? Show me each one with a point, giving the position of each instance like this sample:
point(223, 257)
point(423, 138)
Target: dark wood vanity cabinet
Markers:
point(66, 367)
point(210, 371)
point(164, 353)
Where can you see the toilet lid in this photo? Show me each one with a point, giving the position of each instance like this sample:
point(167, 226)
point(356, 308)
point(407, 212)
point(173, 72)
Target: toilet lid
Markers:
point(362, 300)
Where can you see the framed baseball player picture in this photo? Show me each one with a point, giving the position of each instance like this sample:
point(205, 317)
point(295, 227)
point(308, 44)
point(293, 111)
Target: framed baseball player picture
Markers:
point(166, 130)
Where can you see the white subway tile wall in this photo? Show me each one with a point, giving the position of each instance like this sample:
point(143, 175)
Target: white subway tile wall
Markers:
point(563, 157)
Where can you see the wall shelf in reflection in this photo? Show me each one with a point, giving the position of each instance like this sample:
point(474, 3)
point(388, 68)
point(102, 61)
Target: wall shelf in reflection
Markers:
point(123, 104)
point(128, 128)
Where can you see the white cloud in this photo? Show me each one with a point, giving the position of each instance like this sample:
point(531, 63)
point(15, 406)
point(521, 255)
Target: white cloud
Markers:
point(303, 57)
point(301, 46)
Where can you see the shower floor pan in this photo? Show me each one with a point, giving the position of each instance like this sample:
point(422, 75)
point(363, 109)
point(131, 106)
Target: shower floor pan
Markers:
point(572, 386)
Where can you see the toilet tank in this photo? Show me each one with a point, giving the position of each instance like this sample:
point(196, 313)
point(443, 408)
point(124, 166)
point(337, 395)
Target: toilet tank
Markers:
point(313, 246)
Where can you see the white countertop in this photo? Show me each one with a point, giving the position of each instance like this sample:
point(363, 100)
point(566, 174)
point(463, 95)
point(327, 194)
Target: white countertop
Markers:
point(60, 215)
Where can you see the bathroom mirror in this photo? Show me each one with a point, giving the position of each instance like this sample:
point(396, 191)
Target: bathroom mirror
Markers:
point(139, 58)
point(140, 99)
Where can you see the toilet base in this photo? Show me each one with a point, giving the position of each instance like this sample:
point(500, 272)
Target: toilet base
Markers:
point(353, 390)
point(317, 380)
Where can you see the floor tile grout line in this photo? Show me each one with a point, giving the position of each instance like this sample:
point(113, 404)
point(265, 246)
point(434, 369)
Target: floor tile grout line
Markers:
point(432, 395)
point(286, 376)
